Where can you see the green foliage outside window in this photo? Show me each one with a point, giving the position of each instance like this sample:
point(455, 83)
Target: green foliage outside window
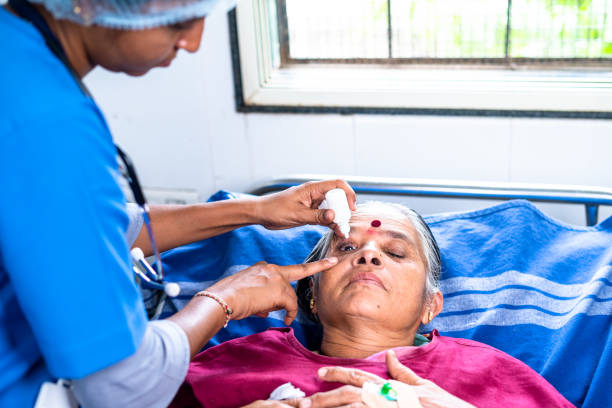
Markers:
point(541, 29)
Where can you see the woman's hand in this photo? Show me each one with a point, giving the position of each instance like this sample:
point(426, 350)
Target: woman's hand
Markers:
point(429, 394)
point(268, 404)
point(347, 396)
point(299, 205)
point(265, 287)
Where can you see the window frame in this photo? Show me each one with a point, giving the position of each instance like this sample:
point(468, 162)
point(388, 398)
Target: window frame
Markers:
point(262, 84)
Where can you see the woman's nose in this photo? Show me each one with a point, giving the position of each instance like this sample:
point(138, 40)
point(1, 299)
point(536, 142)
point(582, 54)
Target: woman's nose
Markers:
point(190, 40)
point(369, 255)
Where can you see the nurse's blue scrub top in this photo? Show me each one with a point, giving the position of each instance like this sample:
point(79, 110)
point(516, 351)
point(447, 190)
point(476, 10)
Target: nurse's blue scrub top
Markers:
point(68, 303)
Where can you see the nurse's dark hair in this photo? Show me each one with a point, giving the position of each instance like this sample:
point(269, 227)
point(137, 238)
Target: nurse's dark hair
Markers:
point(429, 248)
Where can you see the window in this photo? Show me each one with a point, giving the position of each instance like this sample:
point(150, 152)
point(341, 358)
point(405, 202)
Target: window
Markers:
point(563, 32)
point(492, 57)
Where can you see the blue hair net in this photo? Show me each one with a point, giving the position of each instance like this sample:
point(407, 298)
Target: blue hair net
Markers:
point(132, 14)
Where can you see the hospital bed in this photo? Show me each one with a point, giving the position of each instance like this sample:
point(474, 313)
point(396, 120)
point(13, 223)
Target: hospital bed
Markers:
point(512, 277)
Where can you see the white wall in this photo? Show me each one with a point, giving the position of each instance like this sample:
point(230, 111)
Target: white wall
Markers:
point(180, 126)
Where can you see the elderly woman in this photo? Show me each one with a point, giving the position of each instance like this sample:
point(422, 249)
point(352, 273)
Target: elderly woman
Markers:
point(384, 287)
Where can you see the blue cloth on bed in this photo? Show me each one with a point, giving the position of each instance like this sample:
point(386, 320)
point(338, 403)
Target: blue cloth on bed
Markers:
point(512, 277)
point(534, 287)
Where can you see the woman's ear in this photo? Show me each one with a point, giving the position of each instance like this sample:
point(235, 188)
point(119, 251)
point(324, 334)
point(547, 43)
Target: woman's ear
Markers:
point(434, 308)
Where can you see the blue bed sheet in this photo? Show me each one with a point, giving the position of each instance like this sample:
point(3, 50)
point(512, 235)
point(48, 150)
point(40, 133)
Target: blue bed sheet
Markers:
point(534, 287)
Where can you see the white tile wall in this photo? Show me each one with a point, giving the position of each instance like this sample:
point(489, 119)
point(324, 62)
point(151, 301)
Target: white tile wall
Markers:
point(433, 147)
point(181, 128)
point(229, 141)
point(562, 151)
point(284, 144)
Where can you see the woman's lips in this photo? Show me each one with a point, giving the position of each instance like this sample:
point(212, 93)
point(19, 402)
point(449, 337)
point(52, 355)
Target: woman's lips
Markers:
point(367, 278)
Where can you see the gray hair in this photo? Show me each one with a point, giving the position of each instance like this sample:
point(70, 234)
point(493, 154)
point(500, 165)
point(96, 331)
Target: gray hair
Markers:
point(429, 248)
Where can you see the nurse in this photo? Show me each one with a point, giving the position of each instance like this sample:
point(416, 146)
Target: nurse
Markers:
point(69, 307)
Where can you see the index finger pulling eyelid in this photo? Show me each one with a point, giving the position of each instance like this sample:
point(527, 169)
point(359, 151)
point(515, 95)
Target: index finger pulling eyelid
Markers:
point(297, 272)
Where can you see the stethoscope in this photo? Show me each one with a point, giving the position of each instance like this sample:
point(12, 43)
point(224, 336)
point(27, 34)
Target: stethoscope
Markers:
point(149, 277)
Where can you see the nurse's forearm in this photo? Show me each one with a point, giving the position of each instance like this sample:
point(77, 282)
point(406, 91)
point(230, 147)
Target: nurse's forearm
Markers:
point(200, 319)
point(176, 225)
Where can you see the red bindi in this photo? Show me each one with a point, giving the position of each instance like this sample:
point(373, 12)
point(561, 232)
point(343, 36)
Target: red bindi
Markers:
point(375, 223)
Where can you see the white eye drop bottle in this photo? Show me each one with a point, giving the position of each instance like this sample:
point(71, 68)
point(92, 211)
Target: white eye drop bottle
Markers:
point(336, 200)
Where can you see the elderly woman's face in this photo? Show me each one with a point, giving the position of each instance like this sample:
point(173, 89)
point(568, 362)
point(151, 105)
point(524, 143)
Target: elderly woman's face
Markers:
point(380, 275)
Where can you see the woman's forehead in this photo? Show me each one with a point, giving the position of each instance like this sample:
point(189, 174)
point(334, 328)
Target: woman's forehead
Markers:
point(371, 228)
point(387, 223)
point(383, 218)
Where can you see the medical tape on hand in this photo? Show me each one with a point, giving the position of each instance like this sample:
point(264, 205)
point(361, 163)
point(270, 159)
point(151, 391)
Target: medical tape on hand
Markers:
point(391, 394)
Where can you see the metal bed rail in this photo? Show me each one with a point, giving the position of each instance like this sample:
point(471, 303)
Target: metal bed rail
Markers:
point(589, 196)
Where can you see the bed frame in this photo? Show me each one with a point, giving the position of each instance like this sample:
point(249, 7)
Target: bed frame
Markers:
point(589, 196)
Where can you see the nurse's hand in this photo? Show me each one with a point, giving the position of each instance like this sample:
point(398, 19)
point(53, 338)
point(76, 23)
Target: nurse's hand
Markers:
point(265, 287)
point(429, 394)
point(257, 290)
point(299, 205)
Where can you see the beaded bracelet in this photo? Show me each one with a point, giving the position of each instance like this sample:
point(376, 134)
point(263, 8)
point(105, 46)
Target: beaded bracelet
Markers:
point(228, 310)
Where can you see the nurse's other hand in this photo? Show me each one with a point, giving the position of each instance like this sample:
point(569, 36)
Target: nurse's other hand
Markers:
point(299, 205)
point(265, 287)
point(429, 394)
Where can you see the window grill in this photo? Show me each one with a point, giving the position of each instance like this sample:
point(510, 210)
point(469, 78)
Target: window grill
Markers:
point(471, 32)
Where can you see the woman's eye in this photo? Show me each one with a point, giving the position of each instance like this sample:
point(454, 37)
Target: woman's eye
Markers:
point(396, 254)
point(346, 247)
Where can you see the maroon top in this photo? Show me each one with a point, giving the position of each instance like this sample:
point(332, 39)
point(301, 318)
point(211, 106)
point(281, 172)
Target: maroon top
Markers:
point(243, 370)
